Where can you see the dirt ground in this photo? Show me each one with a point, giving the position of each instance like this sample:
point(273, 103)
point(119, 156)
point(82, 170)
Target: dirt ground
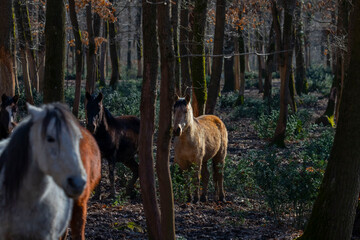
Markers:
point(240, 218)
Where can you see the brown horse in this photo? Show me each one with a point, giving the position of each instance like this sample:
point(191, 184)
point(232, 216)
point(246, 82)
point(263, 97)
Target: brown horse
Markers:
point(197, 141)
point(7, 114)
point(91, 159)
point(117, 138)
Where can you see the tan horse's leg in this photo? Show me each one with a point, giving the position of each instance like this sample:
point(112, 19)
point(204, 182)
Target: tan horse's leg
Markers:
point(218, 175)
point(196, 182)
point(205, 181)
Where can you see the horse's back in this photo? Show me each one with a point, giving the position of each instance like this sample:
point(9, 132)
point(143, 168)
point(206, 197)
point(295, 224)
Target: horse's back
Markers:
point(129, 128)
point(91, 158)
point(212, 125)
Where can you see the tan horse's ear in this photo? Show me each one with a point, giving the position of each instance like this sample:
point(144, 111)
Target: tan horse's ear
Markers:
point(187, 98)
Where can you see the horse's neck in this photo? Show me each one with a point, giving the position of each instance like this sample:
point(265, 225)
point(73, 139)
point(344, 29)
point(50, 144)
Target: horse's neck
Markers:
point(192, 129)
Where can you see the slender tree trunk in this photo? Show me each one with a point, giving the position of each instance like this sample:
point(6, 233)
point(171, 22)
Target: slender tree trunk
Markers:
point(115, 73)
point(260, 61)
point(147, 114)
point(138, 43)
point(283, 42)
point(198, 61)
point(91, 57)
point(237, 64)
point(55, 51)
point(23, 51)
point(41, 50)
point(30, 53)
point(214, 87)
point(300, 79)
point(175, 7)
point(103, 55)
point(129, 62)
point(7, 73)
point(78, 56)
point(229, 66)
point(184, 49)
point(334, 209)
point(240, 99)
point(167, 94)
point(269, 64)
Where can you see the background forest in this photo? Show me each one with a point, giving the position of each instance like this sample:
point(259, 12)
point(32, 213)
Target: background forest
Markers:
point(273, 71)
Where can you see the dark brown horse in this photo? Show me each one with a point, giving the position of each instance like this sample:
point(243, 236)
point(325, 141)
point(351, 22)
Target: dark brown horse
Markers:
point(117, 138)
point(7, 114)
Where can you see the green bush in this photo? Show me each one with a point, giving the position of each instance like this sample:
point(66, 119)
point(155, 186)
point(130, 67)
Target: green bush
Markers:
point(319, 79)
point(228, 100)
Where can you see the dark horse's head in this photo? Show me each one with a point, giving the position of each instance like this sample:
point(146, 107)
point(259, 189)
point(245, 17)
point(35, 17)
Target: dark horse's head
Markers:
point(8, 112)
point(94, 111)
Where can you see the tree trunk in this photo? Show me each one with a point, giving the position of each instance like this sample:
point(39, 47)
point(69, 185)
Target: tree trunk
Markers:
point(115, 74)
point(237, 64)
point(300, 79)
point(138, 43)
point(23, 50)
point(184, 49)
point(175, 29)
point(334, 209)
point(55, 51)
point(283, 42)
point(41, 50)
point(229, 66)
point(104, 50)
point(30, 53)
point(147, 114)
point(214, 87)
point(198, 61)
point(329, 116)
point(260, 61)
point(165, 118)
point(129, 62)
point(78, 56)
point(269, 64)
point(91, 57)
point(7, 73)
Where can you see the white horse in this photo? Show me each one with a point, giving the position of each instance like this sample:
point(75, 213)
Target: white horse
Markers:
point(40, 173)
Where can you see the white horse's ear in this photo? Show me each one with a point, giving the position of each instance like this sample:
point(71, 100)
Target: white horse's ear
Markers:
point(35, 112)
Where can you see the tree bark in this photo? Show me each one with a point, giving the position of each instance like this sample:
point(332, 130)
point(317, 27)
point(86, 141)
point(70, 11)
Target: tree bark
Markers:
point(129, 61)
point(147, 114)
point(269, 64)
point(300, 79)
point(334, 209)
point(7, 73)
point(78, 56)
point(23, 50)
point(115, 73)
point(167, 94)
point(229, 76)
point(198, 61)
point(138, 43)
point(91, 57)
point(214, 86)
point(174, 24)
point(55, 51)
point(283, 42)
point(103, 54)
point(186, 82)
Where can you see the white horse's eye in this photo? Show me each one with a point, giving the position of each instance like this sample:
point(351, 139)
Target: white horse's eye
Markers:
point(50, 139)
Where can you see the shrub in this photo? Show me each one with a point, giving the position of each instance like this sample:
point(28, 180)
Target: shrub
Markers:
point(319, 79)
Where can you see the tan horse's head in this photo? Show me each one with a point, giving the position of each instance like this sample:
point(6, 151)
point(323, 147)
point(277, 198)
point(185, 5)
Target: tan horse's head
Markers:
point(183, 115)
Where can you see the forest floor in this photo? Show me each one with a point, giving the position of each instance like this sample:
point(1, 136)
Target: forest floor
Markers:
point(240, 218)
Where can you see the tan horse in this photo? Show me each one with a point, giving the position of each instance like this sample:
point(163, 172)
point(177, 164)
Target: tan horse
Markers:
point(197, 141)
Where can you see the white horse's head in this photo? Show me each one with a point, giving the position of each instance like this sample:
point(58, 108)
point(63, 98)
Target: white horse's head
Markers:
point(183, 115)
point(54, 139)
